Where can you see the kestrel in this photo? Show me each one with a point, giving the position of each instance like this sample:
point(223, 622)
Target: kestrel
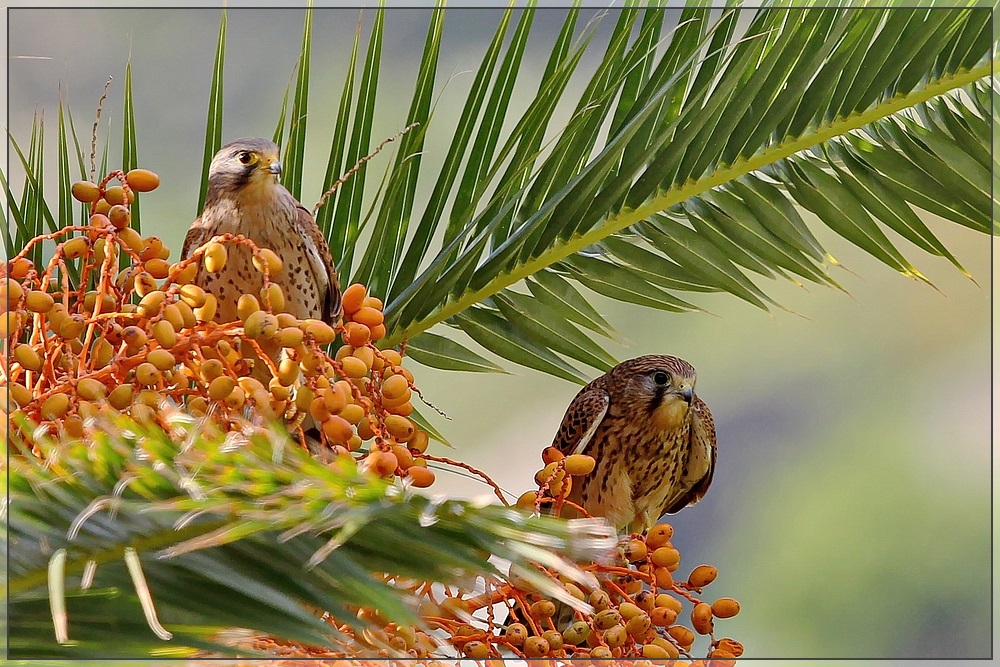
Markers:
point(245, 197)
point(652, 437)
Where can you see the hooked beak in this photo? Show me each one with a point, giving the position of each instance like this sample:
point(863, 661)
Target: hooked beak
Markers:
point(274, 168)
point(687, 393)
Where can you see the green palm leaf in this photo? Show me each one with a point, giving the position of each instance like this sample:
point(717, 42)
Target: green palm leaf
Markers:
point(713, 145)
point(213, 125)
point(682, 167)
point(232, 532)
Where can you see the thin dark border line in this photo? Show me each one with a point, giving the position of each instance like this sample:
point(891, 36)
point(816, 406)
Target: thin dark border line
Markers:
point(8, 251)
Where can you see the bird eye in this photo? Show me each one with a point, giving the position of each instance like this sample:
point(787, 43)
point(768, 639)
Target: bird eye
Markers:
point(244, 157)
point(661, 378)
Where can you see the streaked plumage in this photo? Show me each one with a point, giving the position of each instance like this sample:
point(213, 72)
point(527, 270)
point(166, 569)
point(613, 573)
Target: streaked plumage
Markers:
point(245, 197)
point(652, 437)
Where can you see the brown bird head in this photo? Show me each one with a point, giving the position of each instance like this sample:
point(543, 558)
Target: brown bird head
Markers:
point(661, 384)
point(247, 169)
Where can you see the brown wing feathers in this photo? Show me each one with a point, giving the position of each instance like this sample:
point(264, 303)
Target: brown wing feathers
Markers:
point(332, 306)
point(582, 418)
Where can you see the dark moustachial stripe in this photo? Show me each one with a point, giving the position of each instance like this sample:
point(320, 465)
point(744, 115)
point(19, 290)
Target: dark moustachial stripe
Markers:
point(243, 176)
point(660, 392)
point(229, 180)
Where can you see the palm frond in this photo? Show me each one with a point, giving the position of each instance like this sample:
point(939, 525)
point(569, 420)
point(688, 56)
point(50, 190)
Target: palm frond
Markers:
point(33, 214)
point(684, 165)
point(65, 182)
point(231, 531)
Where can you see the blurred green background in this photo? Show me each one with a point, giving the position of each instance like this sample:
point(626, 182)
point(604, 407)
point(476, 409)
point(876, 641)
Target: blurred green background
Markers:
point(850, 513)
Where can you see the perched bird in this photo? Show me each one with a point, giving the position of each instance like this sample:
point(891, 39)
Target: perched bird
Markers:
point(653, 440)
point(245, 197)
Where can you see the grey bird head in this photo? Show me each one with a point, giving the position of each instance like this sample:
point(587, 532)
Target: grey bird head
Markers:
point(245, 168)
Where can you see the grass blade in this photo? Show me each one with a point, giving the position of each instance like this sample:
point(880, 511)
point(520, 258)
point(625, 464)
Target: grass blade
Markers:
point(130, 158)
point(294, 157)
point(386, 245)
point(65, 194)
point(349, 204)
point(279, 132)
point(334, 164)
point(213, 126)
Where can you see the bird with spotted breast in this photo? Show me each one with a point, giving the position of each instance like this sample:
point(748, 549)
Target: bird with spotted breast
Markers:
point(653, 440)
point(245, 197)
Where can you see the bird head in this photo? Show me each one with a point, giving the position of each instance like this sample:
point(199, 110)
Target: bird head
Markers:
point(247, 169)
point(662, 384)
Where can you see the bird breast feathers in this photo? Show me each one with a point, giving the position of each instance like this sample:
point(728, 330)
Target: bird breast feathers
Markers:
point(671, 414)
